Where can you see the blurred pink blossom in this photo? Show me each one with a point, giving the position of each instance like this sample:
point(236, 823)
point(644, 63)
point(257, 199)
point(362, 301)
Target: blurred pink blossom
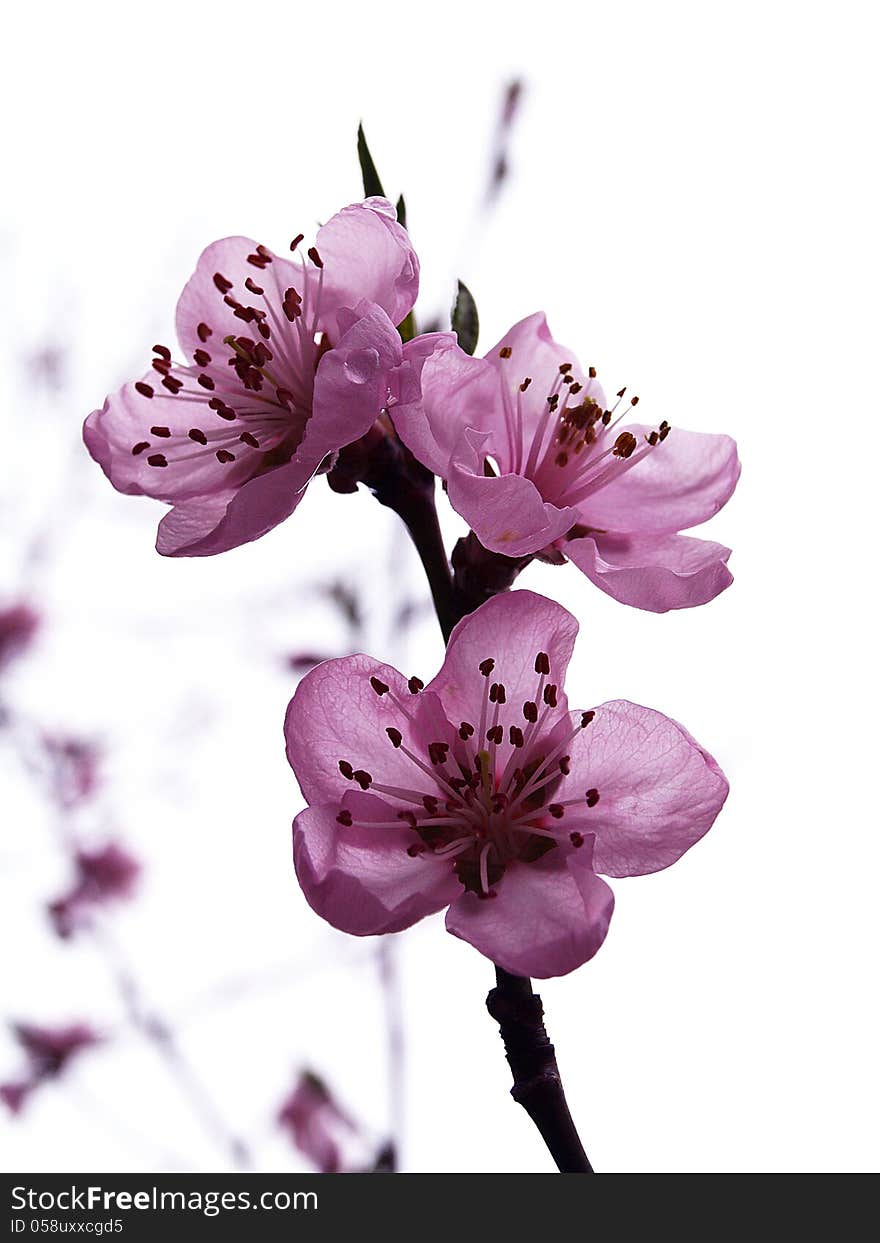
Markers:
point(315, 1123)
point(538, 465)
point(49, 1051)
point(484, 793)
point(74, 768)
point(104, 875)
point(18, 626)
point(289, 362)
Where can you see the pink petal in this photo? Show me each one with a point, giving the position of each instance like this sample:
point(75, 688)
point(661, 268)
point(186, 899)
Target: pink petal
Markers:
point(202, 302)
point(457, 392)
point(124, 422)
point(534, 353)
point(336, 715)
point(506, 512)
point(653, 572)
point(367, 254)
point(351, 388)
point(547, 918)
point(659, 791)
point(362, 880)
point(679, 484)
point(512, 629)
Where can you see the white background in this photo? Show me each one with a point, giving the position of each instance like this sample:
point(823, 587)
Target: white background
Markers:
point(693, 202)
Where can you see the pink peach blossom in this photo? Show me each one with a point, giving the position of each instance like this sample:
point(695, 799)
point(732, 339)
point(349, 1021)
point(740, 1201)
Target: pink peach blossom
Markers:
point(483, 792)
point(287, 362)
point(18, 625)
point(315, 1123)
point(106, 874)
point(538, 464)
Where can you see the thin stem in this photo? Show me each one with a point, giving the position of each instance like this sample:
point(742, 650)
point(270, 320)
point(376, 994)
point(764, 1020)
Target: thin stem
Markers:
point(537, 1083)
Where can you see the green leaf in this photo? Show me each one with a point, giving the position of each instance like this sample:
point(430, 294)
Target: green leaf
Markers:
point(465, 320)
point(407, 328)
point(401, 211)
point(372, 181)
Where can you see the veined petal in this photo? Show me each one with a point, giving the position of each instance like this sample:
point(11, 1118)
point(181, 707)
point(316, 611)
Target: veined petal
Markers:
point(547, 919)
point(367, 254)
point(682, 482)
point(510, 629)
point(506, 512)
point(457, 392)
point(361, 879)
point(659, 791)
point(336, 714)
point(653, 572)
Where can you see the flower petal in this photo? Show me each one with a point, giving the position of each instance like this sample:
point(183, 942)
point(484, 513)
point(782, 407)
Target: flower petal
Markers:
point(506, 512)
point(653, 572)
point(659, 791)
point(534, 353)
point(457, 392)
point(202, 302)
point(336, 715)
point(511, 629)
point(682, 482)
point(367, 254)
point(362, 880)
point(547, 918)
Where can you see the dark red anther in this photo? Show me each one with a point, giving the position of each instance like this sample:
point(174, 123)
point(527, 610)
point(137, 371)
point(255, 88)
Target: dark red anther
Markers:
point(530, 711)
point(296, 241)
point(157, 459)
point(162, 432)
point(172, 384)
point(505, 352)
point(556, 810)
point(542, 663)
point(415, 685)
point(525, 384)
point(139, 447)
point(203, 332)
point(144, 389)
point(222, 283)
point(516, 736)
point(564, 368)
point(431, 804)
point(562, 458)
point(201, 358)
point(551, 695)
point(486, 667)
point(346, 769)
point(633, 401)
point(395, 735)
point(465, 731)
point(495, 733)
point(498, 693)
point(565, 765)
point(592, 373)
point(576, 839)
point(408, 817)
point(586, 717)
point(196, 434)
point(206, 382)
point(380, 687)
point(163, 352)
point(315, 257)
point(344, 818)
point(437, 752)
point(248, 438)
point(592, 797)
point(363, 778)
point(160, 365)
point(223, 456)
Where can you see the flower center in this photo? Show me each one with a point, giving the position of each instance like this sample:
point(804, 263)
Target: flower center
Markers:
point(571, 452)
point(489, 793)
point(249, 396)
